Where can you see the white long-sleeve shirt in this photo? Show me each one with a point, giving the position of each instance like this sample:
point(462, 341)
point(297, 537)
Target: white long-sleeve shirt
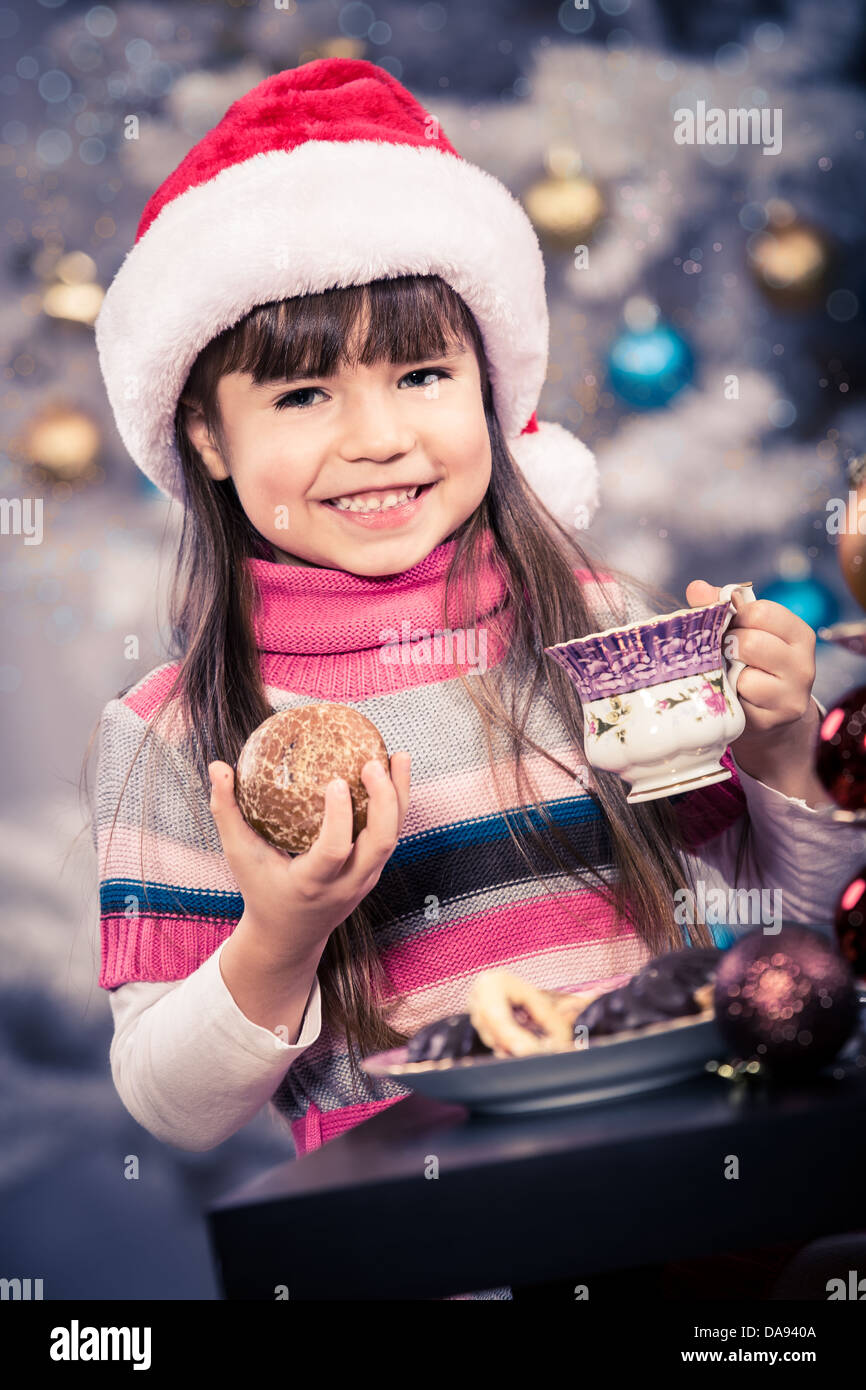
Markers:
point(193, 1069)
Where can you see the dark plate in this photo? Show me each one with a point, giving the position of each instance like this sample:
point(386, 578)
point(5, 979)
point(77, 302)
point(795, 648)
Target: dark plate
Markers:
point(621, 1064)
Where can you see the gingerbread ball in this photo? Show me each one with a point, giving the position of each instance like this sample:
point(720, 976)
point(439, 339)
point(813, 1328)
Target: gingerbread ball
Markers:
point(287, 762)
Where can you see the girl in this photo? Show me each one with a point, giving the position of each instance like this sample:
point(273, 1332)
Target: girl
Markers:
point(327, 309)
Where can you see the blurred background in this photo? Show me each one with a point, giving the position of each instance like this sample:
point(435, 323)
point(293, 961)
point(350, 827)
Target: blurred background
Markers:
point(706, 342)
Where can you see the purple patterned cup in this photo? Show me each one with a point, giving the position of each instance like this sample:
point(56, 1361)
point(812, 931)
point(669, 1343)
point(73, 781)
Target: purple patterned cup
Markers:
point(659, 697)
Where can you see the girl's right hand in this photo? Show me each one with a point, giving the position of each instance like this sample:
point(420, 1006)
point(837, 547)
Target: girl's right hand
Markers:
point(294, 902)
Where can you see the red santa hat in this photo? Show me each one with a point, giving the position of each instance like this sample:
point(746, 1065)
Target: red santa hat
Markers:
point(329, 174)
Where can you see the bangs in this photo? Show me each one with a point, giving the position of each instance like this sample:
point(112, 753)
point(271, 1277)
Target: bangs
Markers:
point(407, 318)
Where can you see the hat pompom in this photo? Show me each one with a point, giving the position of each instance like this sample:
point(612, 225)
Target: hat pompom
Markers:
point(561, 470)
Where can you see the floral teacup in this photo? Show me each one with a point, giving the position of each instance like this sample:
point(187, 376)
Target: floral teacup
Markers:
point(659, 698)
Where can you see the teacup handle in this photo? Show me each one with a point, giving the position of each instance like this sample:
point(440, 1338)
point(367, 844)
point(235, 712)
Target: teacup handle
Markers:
point(735, 667)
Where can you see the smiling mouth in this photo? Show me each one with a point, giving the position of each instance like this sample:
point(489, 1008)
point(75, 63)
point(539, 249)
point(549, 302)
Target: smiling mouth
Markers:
point(413, 495)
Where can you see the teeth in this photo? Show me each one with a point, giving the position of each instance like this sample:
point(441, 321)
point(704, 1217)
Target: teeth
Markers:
point(383, 504)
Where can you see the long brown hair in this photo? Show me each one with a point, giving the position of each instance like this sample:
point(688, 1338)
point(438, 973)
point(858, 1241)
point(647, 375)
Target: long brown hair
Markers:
point(219, 684)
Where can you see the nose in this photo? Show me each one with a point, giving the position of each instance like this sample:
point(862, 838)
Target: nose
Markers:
point(374, 428)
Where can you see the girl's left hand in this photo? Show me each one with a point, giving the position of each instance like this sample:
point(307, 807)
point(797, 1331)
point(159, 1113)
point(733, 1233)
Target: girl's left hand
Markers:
point(775, 688)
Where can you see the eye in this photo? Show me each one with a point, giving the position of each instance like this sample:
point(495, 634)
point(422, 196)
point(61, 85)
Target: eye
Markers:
point(289, 400)
point(428, 371)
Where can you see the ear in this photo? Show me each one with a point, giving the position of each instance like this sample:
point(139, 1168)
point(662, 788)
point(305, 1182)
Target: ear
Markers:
point(200, 438)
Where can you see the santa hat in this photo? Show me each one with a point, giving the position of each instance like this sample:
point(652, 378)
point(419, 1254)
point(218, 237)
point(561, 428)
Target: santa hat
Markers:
point(325, 175)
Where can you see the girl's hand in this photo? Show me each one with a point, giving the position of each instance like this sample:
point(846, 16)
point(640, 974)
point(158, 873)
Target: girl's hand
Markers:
point(294, 902)
point(775, 689)
point(777, 746)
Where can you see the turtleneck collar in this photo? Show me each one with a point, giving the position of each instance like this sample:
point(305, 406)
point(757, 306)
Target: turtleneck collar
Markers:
point(338, 636)
point(310, 610)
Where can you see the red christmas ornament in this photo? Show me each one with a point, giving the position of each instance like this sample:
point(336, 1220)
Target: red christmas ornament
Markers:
point(787, 1000)
point(850, 923)
point(840, 759)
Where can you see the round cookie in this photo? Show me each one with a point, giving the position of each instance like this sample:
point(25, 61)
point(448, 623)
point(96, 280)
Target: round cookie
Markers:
point(669, 981)
point(287, 762)
point(618, 1011)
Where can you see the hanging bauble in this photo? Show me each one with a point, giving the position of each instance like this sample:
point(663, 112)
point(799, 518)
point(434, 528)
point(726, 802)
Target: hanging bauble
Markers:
point(807, 597)
point(74, 295)
point(649, 363)
point(145, 486)
point(849, 923)
point(62, 444)
point(789, 258)
point(840, 753)
point(336, 46)
point(566, 206)
point(788, 1000)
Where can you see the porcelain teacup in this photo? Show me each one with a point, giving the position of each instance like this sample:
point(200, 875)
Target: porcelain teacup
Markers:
point(659, 697)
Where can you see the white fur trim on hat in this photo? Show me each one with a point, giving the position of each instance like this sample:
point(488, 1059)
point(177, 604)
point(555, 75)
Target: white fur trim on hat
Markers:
point(322, 215)
point(297, 222)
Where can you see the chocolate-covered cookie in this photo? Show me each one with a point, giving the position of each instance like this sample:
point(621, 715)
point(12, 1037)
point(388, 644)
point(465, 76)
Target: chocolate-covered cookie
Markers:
point(692, 965)
point(617, 1011)
point(664, 989)
point(287, 762)
point(446, 1038)
point(669, 981)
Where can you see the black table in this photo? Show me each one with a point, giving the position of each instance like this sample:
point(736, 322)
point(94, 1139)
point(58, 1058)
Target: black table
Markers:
point(631, 1182)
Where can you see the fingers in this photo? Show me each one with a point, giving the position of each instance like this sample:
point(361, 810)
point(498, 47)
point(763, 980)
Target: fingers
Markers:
point(699, 592)
point(763, 651)
point(772, 617)
point(234, 832)
point(388, 800)
point(332, 846)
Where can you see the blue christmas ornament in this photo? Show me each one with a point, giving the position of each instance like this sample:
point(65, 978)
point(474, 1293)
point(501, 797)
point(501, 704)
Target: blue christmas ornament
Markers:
point(649, 363)
point(145, 486)
point(807, 597)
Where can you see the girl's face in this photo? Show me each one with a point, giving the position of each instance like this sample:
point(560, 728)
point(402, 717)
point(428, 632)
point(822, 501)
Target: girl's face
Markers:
point(294, 446)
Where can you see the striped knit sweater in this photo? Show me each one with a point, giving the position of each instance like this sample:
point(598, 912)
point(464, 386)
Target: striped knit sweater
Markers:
point(460, 898)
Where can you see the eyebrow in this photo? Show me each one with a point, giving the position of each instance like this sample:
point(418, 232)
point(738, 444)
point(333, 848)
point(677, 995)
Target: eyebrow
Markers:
point(448, 356)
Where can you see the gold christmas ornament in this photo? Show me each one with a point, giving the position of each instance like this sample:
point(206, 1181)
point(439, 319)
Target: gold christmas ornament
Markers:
point(64, 442)
point(75, 303)
point(789, 259)
point(565, 207)
point(339, 46)
point(74, 295)
point(75, 268)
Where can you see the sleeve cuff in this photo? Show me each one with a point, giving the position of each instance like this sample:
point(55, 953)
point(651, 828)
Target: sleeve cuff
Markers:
point(763, 798)
point(800, 845)
point(770, 800)
point(258, 1041)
